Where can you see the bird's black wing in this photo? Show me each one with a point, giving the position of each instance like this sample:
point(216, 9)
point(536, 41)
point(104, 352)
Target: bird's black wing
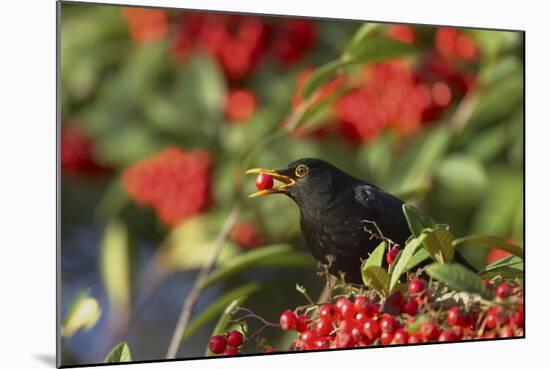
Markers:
point(385, 210)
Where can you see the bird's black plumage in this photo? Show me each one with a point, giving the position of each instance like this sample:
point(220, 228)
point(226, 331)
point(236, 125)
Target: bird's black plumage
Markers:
point(338, 213)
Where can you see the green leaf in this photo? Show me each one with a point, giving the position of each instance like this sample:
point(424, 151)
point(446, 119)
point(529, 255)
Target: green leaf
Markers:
point(509, 261)
point(414, 219)
point(510, 267)
point(119, 354)
point(224, 321)
point(375, 157)
point(83, 313)
point(112, 202)
point(415, 326)
point(377, 278)
point(419, 256)
point(373, 50)
point(209, 85)
point(418, 164)
point(321, 76)
point(115, 264)
point(460, 181)
point(458, 278)
point(188, 245)
point(316, 115)
point(376, 49)
point(400, 265)
point(252, 258)
point(439, 244)
point(413, 192)
point(498, 102)
point(292, 259)
point(376, 257)
point(360, 36)
point(492, 242)
point(217, 307)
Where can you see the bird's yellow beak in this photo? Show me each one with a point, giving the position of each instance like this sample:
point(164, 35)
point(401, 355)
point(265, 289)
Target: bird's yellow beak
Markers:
point(287, 181)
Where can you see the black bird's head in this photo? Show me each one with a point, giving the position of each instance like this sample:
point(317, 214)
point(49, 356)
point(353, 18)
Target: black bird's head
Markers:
point(307, 181)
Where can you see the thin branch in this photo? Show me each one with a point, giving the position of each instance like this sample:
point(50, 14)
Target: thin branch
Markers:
point(251, 314)
point(194, 294)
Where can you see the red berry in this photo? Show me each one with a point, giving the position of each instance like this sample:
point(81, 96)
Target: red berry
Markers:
point(295, 346)
point(288, 320)
point(264, 182)
point(455, 316)
point(401, 336)
point(217, 344)
point(343, 340)
point(410, 307)
point(230, 351)
point(503, 291)
point(415, 338)
point(347, 325)
point(429, 330)
point(327, 312)
point(235, 338)
point(447, 336)
point(391, 255)
point(347, 310)
point(386, 338)
point(323, 327)
point(517, 317)
point(302, 323)
point(357, 333)
point(388, 324)
point(361, 304)
point(493, 320)
point(271, 349)
point(416, 286)
point(321, 343)
point(506, 332)
point(361, 318)
point(371, 329)
point(340, 302)
point(394, 303)
point(240, 105)
point(308, 338)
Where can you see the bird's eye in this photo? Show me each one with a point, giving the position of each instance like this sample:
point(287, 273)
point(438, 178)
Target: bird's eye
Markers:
point(301, 171)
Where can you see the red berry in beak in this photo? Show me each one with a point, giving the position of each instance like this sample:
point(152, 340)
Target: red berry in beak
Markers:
point(264, 182)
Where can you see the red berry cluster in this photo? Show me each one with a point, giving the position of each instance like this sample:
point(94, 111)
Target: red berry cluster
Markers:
point(399, 94)
point(176, 183)
point(391, 97)
point(240, 105)
point(77, 154)
point(238, 41)
point(359, 320)
point(246, 235)
point(295, 37)
point(452, 43)
point(226, 344)
point(146, 25)
point(401, 32)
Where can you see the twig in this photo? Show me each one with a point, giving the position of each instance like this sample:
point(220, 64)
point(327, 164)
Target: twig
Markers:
point(464, 111)
point(201, 277)
point(380, 235)
point(251, 314)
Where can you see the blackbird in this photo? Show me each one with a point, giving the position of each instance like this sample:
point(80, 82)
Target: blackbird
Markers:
point(341, 216)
